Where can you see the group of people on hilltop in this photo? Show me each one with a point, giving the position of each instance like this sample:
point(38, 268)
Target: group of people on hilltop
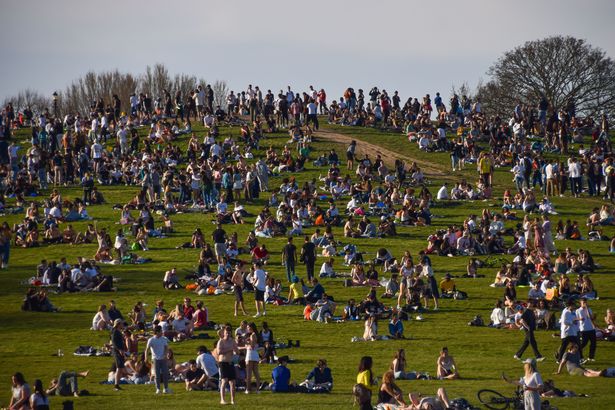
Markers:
point(220, 174)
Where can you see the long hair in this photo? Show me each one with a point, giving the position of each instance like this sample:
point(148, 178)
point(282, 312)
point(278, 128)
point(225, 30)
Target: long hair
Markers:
point(21, 380)
point(38, 388)
point(530, 368)
point(365, 363)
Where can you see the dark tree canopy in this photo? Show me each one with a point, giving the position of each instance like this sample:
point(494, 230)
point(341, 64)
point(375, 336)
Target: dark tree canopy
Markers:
point(559, 68)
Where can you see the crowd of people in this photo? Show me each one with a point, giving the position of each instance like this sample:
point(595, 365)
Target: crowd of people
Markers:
point(222, 177)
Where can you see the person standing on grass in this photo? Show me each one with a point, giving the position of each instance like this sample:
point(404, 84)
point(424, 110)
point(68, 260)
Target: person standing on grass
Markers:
point(527, 322)
point(312, 111)
point(219, 238)
point(289, 255)
point(308, 253)
point(159, 347)
point(5, 244)
point(365, 377)
point(587, 329)
point(569, 328)
point(226, 347)
point(119, 351)
point(237, 279)
point(531, 383)
point(350, 155)
point(259, 280)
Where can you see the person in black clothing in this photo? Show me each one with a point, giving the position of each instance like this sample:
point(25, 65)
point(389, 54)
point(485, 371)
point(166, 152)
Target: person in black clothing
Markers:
point(88, 184)
point(289, 253)
point(114, 312)
point(119, 351)
point(308, 256)
point(219, 237)
point(527, 321)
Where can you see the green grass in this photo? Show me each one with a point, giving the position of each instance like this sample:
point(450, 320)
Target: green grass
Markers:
point(29, 340)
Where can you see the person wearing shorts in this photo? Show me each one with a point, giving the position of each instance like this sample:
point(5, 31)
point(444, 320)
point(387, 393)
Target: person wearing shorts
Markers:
point(237, 280)
point(259, 280)
point(226, 348)
point(252, 358)
point(219, 237)
point(227, 371)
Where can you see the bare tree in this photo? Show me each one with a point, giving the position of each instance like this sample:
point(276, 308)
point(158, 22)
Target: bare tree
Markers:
point(29, 98)
point(79, 96)
point(560, 69)
point(155, 80)
point(220, 89)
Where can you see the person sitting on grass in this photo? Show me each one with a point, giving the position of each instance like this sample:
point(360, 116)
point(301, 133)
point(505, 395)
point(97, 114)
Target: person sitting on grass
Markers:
point(102, 320)
point(38, 399)
point(324, 309)
point(572, 360)
point(66, 384)
point(171, 281)
point(447, 286)
point(281, 378)
point(389, 392)
point(195, 377)
point(319, 378)
point(396, 327)
point(295, 293)
point(316, 292)
point(183, 327)
point(446, 366)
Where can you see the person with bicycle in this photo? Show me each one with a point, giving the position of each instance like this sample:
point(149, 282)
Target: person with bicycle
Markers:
point(531, 383)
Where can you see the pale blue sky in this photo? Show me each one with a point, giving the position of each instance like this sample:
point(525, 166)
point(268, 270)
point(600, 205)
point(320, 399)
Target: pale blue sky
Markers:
point(416, 47)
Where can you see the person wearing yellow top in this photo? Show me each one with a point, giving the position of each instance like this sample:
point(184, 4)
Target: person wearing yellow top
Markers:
point(295, 294)
point(447, 285)
point(365, 376)
point(484, 168)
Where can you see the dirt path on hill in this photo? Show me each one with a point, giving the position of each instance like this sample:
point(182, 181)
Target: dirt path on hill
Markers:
point(363, 147)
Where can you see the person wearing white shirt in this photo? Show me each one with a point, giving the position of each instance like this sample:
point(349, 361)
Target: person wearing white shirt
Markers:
point(134, 103)
point(531, 384)
point(182, 326)
point(498, 319)
point(519, 170)
point(442, 193)
point(312, 111)
point(574, 173)
point(122, 138)
point(587, 329)
point(215, 151)
point(569, 328)
point(424, 142)
point(205, 361)
point(259, 280)
point(209, 120)
point(158, 346)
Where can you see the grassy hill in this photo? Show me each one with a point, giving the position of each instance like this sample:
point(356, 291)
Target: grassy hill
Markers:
point(30, 340)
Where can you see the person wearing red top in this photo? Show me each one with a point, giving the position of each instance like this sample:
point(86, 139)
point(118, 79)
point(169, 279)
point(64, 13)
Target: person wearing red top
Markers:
point(200, 316)
point(188, 309)
point(260, 254)
point(322, 101)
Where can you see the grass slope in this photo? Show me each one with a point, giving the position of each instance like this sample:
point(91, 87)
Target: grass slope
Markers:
point(29, 340)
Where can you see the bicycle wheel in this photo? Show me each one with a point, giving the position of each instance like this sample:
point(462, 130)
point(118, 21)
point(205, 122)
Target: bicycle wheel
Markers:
point(493, 400)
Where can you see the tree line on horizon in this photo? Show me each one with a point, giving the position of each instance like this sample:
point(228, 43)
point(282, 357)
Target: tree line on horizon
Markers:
point(563, 70)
